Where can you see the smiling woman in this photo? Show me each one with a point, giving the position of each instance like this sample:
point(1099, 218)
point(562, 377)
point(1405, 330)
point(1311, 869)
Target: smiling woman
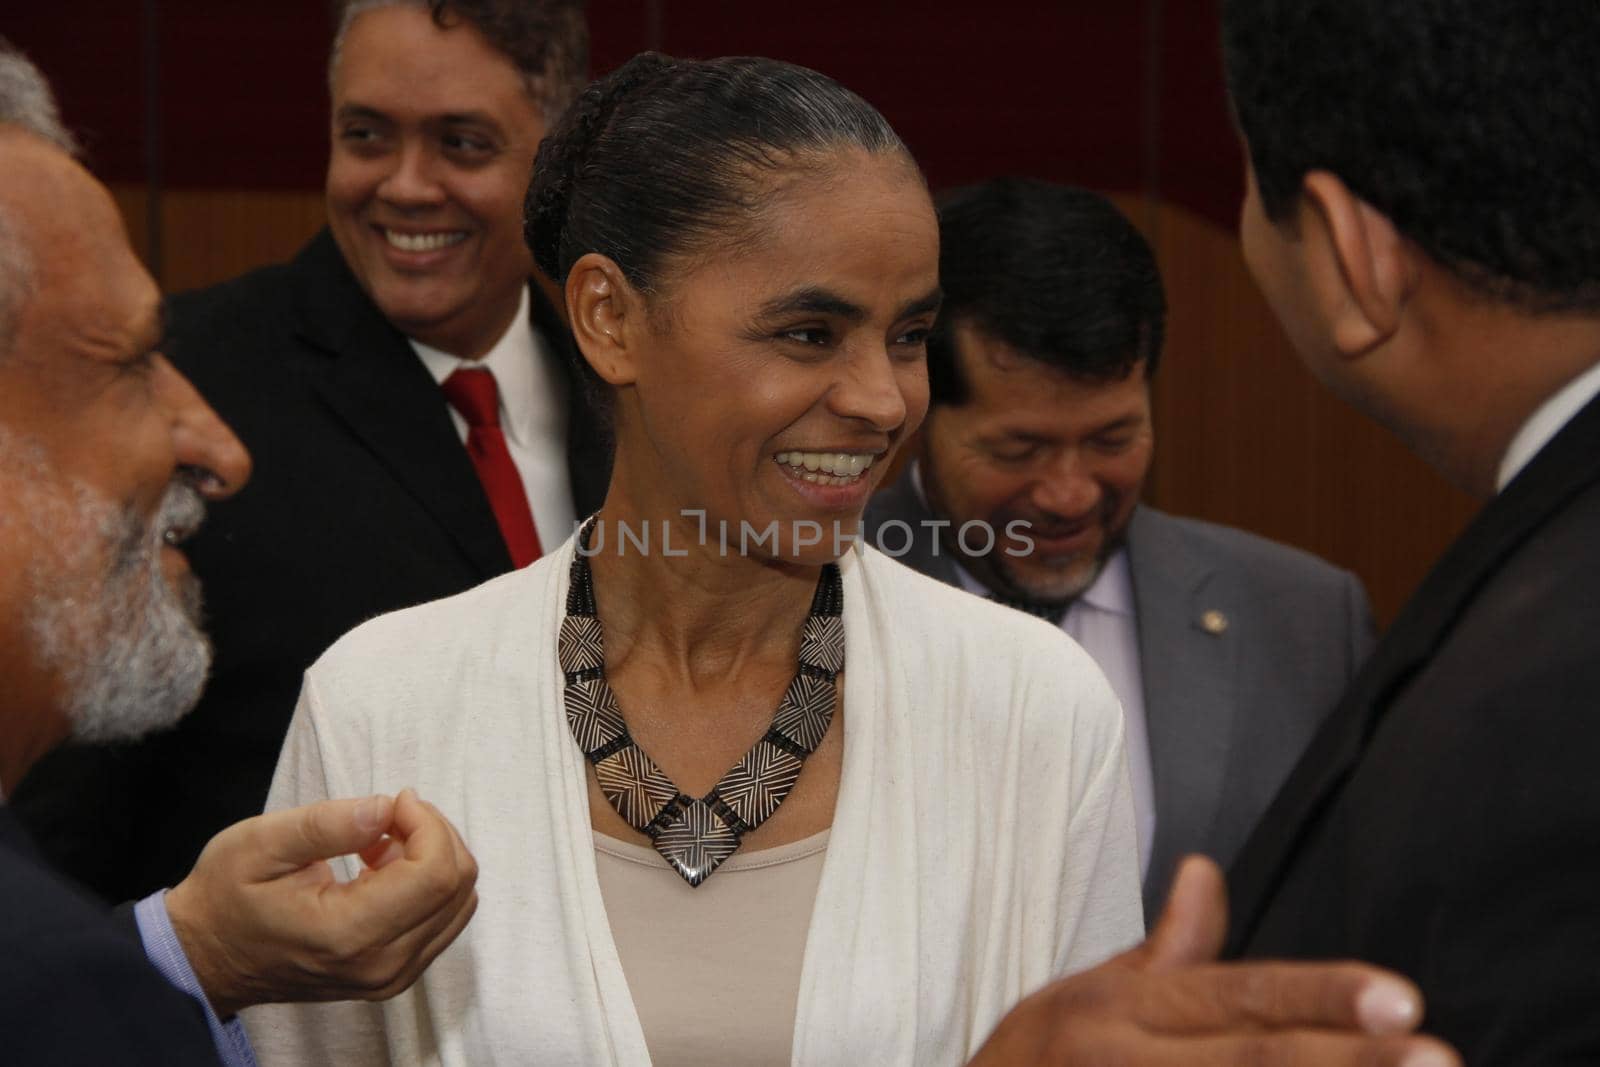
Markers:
point(741, 789)
point(799, 277)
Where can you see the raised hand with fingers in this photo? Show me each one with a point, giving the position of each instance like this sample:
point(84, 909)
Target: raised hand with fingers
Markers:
point(1167, 1001)
point(263, 919)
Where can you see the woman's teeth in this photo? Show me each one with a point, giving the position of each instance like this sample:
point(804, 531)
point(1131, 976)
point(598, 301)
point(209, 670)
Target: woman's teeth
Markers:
point(423, 242)
point(827, 468)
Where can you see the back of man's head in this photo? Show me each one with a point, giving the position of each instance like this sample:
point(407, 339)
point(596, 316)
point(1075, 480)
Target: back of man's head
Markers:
point(1056, 273)
point(1470, 124)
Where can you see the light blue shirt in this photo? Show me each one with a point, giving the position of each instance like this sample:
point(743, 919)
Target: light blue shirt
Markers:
point(166, 952)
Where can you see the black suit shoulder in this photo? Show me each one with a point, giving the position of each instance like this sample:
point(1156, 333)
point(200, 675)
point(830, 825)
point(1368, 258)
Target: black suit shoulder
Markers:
point(75, 990)
point(239, 337)
point(251, 307)
point(238, 299)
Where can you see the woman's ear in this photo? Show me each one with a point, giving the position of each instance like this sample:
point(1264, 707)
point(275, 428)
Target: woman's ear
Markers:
point(606, 314)
point(1374, 273)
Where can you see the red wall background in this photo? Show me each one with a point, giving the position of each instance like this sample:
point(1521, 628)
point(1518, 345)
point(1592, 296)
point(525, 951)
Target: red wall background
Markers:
point(208, 119)
point(1126, 95)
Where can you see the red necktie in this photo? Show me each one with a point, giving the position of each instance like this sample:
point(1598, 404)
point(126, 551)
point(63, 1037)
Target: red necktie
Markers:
point(472, 392)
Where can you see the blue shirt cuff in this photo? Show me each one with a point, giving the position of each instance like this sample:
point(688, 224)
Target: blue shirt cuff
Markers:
point(161, 944)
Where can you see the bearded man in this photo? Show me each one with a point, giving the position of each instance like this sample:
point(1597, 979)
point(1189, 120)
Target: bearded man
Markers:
point(107, 456)
point(1225, 649)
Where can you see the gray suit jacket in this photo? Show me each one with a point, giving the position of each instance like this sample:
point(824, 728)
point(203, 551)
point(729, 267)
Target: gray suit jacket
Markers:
point(1228, 713)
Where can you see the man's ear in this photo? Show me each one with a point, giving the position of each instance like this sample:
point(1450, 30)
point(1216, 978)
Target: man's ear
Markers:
point(1376, 272)
point(607, 314)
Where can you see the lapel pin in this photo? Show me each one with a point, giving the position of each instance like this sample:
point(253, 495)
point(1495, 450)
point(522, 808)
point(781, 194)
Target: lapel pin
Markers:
point(1214, 623)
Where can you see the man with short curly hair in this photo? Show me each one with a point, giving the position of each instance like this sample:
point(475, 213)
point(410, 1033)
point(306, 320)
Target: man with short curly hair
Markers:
point(548, 42)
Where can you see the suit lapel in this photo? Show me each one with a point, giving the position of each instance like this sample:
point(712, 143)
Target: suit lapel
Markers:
point(1568, 464)
point(1189, 678)
point(373, 381)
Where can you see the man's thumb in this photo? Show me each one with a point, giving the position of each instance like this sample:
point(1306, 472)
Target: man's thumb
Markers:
point(1194, 922)
point(291, 839)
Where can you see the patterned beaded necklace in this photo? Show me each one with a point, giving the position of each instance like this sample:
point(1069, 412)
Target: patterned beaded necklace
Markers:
point(696, 835)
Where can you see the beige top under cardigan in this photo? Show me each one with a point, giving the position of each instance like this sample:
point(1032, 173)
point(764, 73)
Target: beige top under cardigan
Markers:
point(714, 970)
point(982, 840)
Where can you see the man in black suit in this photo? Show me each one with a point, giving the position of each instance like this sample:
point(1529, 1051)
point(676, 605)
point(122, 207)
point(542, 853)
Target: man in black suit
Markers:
point(106, 458)
point(1423, 213)
point(330, 369)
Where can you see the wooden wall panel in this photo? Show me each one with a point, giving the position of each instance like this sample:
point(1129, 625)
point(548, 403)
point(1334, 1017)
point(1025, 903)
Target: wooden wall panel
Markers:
point(212, 235)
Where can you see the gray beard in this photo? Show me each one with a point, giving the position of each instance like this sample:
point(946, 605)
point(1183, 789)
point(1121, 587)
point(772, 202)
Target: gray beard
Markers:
point(105, 618)
point(991, 570)
point(1061, 595)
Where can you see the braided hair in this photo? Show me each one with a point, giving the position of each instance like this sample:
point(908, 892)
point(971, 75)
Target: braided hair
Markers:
point(564, 152)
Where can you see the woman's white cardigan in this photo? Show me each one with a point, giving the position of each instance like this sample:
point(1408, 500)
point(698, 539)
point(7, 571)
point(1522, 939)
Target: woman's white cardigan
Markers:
point(982, 843)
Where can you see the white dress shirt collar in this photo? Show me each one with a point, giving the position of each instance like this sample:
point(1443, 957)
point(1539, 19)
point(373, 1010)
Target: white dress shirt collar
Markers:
point(1546, 422)
point(1113, 588)
point(528, 401)
point(533, 416)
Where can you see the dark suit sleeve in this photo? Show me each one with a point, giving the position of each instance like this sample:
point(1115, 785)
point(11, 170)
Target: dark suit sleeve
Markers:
point(85, 998)
point(1513, 926)
point(79, 802)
